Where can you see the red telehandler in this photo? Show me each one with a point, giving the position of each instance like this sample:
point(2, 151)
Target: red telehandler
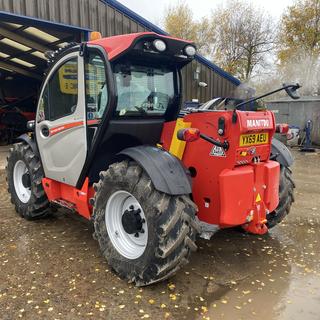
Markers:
point(108, 143)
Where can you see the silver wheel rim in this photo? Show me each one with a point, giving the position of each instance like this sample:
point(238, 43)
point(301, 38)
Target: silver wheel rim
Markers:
point(128, 245)
point(23, 193)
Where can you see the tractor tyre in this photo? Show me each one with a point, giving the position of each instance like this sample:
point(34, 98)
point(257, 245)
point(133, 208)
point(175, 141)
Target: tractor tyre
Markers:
point(24, 179)
point(145, 235)
point(286, 198)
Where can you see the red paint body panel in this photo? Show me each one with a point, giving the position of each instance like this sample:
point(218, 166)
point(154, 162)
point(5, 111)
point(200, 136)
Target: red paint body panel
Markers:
point(272, 177)
point(117, 44)
point(236, 197)
point(225, 188)
point(79, 199)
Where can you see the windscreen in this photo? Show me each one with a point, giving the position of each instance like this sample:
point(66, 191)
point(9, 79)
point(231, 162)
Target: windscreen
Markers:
point(143, 90)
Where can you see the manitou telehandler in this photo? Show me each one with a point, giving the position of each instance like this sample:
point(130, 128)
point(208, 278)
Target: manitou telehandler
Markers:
point(107, 143)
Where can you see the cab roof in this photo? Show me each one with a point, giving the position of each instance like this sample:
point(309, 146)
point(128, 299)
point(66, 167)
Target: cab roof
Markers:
point(118, 45)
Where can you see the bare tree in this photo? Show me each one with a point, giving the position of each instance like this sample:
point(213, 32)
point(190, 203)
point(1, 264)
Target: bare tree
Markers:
point(242, 35)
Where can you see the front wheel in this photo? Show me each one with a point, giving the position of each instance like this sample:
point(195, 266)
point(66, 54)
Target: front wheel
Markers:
point(286, 198)
point(145, 235)
point(24, 178)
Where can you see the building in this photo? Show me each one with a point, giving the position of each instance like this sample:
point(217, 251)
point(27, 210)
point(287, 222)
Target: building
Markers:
point(28, 28)
point(297, 113)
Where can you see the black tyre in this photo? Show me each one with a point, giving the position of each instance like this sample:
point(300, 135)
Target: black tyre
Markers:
point(286, 198)
point(126, 191)
point(24, 178)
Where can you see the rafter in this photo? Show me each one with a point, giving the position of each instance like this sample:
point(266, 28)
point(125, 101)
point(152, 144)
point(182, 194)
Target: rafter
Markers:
point(26, 41)
point(23, 71)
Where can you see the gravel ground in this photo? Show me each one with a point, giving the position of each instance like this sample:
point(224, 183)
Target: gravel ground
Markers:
point(52, 268)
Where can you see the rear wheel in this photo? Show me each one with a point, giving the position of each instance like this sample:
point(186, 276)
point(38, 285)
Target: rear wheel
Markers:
point(286, 198)
point(145, 235)
point(24, 178)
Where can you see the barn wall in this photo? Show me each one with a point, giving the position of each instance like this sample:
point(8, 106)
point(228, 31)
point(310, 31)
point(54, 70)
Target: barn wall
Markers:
point(96, 15)
point(297, 113)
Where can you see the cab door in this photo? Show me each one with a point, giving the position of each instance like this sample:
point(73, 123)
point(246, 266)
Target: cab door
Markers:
point(61, 120)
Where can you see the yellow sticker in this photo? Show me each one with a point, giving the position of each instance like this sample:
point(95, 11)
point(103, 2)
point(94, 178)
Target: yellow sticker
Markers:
point(258, 198)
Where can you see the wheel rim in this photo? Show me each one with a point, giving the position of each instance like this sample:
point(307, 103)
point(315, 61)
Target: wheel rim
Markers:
point(129, 245)
point(23, 193)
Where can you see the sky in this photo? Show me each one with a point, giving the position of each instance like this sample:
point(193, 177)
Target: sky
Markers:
point(153, 9)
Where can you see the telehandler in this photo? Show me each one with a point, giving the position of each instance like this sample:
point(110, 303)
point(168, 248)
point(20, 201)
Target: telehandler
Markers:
point(107, 143)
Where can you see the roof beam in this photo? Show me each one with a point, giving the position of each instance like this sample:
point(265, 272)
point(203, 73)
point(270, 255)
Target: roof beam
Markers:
point(24, 55)
point(23, 40)
point(22, 71)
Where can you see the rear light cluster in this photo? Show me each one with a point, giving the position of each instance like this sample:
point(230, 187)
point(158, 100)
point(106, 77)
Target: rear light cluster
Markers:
point(282, 128)
point(189, 134)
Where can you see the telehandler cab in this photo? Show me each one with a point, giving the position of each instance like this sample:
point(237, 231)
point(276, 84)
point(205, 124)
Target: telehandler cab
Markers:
point(107, 143)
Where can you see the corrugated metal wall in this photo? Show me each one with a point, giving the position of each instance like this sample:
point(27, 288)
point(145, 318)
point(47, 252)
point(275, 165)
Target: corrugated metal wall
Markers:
point(298, 112)
point(96, 15)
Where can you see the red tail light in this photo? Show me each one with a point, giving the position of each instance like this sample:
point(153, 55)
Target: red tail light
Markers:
point(188, 134)
point(282, 128)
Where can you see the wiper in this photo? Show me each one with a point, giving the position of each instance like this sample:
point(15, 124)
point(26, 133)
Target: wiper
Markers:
point(141, 110)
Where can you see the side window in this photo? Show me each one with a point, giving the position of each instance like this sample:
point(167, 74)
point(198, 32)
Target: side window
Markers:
point(96, 87)
point(43, 109)
point(60, 96)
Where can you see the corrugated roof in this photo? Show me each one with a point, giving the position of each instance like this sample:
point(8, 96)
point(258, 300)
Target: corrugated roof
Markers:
point(152, 27)
point(24, 40)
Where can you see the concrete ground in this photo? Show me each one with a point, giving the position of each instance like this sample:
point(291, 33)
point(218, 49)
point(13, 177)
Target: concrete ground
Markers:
point(52, 269)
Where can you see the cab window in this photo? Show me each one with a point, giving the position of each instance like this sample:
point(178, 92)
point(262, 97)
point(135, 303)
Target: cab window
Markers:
point(96, 88)
point(143, 90)
point(60, 96)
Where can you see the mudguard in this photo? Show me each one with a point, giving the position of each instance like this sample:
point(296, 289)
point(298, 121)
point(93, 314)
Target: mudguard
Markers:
point(281, 153)
point(166, 171)
point(30, 141)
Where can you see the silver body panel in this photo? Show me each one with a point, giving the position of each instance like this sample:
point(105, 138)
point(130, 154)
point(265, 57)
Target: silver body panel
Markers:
point(63, 154)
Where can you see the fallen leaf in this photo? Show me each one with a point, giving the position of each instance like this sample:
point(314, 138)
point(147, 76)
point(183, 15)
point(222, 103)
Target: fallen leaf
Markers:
point(171, 286)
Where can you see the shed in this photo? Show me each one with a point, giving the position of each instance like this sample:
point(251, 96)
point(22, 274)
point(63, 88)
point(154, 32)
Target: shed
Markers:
point(298, 112)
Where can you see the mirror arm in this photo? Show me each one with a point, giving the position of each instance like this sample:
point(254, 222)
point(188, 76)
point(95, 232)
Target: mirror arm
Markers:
point(295, 86)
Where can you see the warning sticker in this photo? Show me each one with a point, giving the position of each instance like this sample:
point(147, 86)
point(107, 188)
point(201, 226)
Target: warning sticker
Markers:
point(258, 198)
point(217, 152)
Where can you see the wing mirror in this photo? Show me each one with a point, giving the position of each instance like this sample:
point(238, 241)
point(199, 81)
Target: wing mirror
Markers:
point(291, 90)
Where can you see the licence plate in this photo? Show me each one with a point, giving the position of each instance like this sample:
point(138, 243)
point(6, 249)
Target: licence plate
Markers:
point(254, 139)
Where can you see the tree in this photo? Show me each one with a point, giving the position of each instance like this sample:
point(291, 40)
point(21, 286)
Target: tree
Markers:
point(179, 22)
point(299, 45)
point(242, 36)
point(300, 29)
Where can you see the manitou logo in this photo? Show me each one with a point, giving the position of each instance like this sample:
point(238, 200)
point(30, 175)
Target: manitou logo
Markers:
point(258, 123)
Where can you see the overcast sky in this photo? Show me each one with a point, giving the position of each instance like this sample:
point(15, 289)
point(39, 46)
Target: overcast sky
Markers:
point(153, 9)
